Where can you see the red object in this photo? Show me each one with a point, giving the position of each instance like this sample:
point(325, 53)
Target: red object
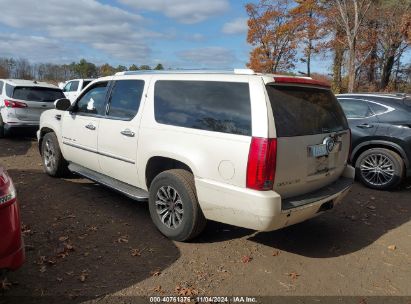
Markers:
point(300, 80)
point(261, 165)
point(14, 104)
point(12, 253)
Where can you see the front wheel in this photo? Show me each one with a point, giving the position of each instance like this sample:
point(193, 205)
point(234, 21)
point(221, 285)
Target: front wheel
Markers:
point(174, 207)
point(380, 168)
point(53, 161)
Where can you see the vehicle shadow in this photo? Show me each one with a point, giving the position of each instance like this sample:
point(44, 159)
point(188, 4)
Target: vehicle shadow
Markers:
point(17, 144)
point(83, 241)
point(364, 216)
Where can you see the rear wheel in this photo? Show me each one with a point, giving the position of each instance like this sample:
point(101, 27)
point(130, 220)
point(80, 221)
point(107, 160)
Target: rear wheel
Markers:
point(380, 168)
point(174, 207)
point(53, 161)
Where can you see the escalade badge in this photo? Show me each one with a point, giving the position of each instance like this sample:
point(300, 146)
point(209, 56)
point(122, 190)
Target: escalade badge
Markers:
point(329, 144)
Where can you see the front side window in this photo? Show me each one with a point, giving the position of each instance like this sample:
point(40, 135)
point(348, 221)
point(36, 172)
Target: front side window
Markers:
point(125, 99)
point(93, 102)
point(72, 86)
point(355, 108)
point(206, 105)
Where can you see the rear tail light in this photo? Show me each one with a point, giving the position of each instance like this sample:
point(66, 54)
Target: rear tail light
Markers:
point(14, 104)
point(7, 191)
point(261, 164)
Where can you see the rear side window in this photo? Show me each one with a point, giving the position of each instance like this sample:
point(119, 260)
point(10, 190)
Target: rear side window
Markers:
point(37, 94)
point(207, 105)
point(302, 111)
point(356, 108)
point(9, 90)
point(125, 98)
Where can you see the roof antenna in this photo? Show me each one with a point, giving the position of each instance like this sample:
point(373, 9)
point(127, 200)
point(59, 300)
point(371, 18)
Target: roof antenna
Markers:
point(35, 81)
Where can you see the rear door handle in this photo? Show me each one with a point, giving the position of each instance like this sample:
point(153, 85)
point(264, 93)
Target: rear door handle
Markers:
point(365, 126)
point(91, 127)
point(128, 132)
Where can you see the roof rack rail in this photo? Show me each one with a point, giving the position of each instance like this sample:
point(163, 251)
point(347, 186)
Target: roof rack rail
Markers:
point(142, 72)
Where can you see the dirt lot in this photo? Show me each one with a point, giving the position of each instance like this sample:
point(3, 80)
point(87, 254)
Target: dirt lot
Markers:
point(85, 240)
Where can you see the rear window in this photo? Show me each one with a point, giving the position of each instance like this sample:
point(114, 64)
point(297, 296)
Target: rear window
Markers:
point(302, 111)
point(37, 94)
point(207, 105)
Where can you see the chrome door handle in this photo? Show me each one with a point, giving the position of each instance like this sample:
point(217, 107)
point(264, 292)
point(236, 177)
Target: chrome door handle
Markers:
point(91, 127)
point(365, 126)
point(128, 132)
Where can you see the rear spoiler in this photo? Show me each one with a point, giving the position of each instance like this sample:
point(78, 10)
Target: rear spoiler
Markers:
point(301, 80)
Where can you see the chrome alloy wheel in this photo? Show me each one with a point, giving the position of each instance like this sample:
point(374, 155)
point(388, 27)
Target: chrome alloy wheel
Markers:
point(377, 169)
point(49, 155)
point(169, 207)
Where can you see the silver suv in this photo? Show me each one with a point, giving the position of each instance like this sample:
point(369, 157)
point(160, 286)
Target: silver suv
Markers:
point(23, 101)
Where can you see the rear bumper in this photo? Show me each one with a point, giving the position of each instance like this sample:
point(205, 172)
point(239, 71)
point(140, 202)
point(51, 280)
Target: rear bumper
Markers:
point(264, 210)
point(29, 126)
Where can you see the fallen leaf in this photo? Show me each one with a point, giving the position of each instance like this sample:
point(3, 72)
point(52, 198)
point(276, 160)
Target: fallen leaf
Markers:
point(5, 284)
point(185, 291)
point(293, 275)
point(276, 252)
point(63, 238)
point(135, 252)
point(122, 239)
point(371, 207)
point(155, 273)
point(92, 228)
point(246, 259)
point(392, 247)
point(43, 269)
point(157, 288)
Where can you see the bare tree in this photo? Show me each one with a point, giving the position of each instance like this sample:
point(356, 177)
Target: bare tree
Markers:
point(351, 18)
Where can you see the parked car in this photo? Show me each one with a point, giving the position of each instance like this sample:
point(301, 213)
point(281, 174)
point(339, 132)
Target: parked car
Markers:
point(381, 137)
point(72, 88)
point(11, 243)
point(252, 150)
point(23, 101)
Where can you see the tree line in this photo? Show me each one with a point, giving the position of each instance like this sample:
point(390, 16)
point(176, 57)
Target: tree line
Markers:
point(23, 69)
point(367, 39)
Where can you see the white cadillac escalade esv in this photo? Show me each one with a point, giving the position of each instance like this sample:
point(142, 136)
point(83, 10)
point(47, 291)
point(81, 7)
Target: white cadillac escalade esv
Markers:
point(252, 150)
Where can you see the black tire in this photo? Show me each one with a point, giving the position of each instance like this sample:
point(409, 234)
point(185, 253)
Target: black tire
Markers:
point(396, 168)
point(2, 131)
point(54, 163)
point(193, 221)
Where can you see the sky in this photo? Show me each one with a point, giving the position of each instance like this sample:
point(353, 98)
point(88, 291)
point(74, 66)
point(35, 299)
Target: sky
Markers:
point(176, 33)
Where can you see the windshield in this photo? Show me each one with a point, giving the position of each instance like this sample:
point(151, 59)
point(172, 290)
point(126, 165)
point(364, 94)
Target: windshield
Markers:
point(302, 111)
point(37, 94)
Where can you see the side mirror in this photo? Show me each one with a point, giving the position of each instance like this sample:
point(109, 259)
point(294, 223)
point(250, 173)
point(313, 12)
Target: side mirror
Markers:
point(62, 104)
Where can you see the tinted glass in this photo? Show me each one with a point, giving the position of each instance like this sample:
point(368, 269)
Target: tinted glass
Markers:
point(86, 83)
point(1, 87)
point(74, 86)
point(355, 108)
point(9, 90)
point(305, 111)
point(37, 94)
point(94, 100)
point(125, 98)
point(67, 87)
point(206, 105)
point(377, 109)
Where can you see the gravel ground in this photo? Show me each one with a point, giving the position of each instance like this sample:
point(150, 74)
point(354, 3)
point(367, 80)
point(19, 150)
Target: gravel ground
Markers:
point(87, 242)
